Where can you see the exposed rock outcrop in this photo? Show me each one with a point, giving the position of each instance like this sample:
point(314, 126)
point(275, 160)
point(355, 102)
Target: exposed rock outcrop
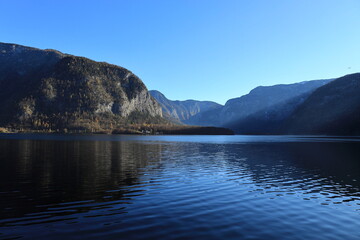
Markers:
point(49, 89)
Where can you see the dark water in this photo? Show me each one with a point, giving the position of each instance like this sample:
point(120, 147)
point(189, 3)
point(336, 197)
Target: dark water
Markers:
point(179, 187)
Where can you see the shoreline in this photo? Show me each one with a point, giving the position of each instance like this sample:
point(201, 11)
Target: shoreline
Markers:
point(130, 130)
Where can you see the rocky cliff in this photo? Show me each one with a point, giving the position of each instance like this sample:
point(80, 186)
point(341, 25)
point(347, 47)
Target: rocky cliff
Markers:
point(46, 89)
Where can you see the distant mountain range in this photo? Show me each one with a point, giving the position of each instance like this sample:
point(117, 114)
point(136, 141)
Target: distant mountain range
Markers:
point(263, 111)
point(183, 111)
point(49, 90)
point(326, 107)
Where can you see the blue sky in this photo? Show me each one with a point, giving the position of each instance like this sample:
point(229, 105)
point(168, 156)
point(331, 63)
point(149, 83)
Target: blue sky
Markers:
point(197, 49)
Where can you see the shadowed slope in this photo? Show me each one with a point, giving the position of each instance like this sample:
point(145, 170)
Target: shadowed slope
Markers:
point(333, 109)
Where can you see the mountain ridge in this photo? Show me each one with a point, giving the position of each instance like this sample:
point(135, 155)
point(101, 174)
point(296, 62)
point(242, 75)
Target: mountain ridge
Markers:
point(51, 91)
point(182, 111)
point(332, 109)
point(35, 84)
point(48, 90)
point(261, 98)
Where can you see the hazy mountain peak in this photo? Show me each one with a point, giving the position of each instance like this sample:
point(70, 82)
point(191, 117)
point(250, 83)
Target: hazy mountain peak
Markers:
point(182, 111)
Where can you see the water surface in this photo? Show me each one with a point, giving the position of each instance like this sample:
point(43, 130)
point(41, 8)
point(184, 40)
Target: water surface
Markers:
point(179, 187)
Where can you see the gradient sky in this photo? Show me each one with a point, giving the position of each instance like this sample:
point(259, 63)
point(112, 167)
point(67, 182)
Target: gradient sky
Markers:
point(197, 49)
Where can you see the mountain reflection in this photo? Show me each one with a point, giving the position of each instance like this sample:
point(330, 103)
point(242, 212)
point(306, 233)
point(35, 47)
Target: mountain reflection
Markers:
point(35, 174)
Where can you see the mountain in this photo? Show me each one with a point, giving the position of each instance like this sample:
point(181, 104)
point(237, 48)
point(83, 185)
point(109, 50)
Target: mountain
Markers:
point(269, 120)
point(183, 111)
point(333, 109)
point(47, 89)
point(263, 110)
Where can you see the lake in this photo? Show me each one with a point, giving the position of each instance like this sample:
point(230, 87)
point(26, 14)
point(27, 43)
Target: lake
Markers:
point(179, 187)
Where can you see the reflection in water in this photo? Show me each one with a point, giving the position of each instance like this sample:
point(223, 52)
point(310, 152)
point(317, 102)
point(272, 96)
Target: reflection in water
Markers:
point(179, 189)
point(36, 173)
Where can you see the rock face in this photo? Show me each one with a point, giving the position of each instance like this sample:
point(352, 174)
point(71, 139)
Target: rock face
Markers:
point(183, 111)
point(49, 89)
point(333, 109)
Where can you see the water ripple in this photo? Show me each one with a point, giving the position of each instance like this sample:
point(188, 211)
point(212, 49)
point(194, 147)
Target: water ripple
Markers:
point(180, 187)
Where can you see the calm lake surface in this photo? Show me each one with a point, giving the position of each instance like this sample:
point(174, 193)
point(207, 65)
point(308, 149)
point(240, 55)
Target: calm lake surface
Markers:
point(179, 187)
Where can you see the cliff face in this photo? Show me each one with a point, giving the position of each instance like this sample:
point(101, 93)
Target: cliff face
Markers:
point(333, 109)
point(46, 88)
point(183, 111)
